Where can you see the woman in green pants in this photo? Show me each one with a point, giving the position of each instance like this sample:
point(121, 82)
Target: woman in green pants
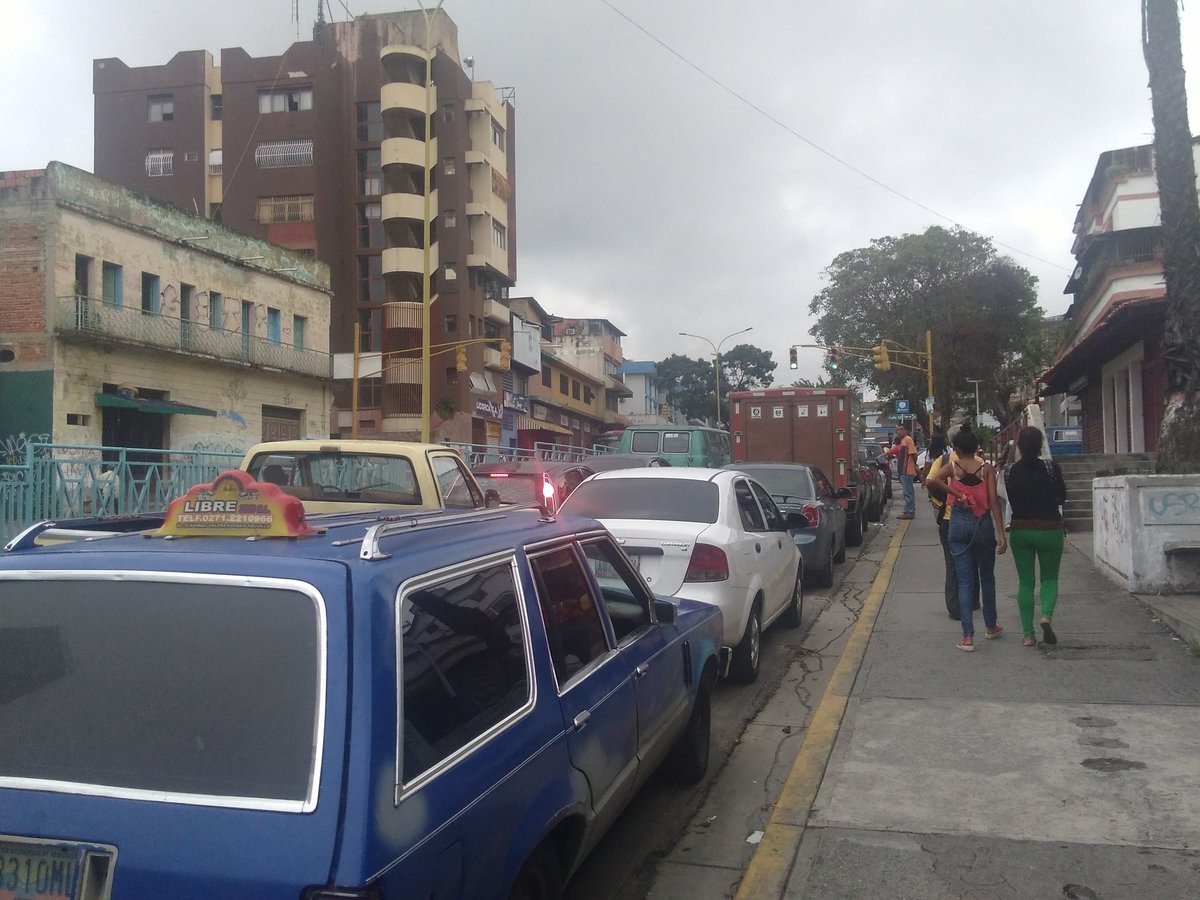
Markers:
point(1036, 492)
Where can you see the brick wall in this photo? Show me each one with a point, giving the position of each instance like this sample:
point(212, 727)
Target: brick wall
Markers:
point(22, 278)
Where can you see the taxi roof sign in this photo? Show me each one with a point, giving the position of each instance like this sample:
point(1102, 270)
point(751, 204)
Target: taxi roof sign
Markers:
point(235, 505)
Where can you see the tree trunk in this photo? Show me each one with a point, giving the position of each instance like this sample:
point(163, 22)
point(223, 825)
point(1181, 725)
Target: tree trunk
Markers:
point(1179, 439)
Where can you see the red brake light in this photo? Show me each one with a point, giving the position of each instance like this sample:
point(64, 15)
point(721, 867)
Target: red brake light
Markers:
point(813, 514)
point(496, 475)
point(547, 489)
point(708, 563)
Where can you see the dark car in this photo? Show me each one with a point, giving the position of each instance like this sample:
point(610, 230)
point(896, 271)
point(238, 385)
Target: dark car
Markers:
point(872, 480)
point(796, 487)
point(538, 481)
point(875, 450)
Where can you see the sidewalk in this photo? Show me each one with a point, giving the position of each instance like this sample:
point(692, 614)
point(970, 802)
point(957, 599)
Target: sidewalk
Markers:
point(927, 772)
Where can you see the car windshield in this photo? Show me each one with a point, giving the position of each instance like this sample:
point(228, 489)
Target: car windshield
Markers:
point(163, 686)
point(513, 488)
point(667, 499)
point(330, 475)
point(784, 485)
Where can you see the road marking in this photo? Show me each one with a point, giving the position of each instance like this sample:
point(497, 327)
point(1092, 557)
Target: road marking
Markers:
point(769, 868)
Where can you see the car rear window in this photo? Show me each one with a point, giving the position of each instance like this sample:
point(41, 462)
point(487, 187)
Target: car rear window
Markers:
point(645, 442)
point(784, 485)
point(677, 442)
point(671, 499)
point(513, 488)
point(177, 688)
point(337, 476)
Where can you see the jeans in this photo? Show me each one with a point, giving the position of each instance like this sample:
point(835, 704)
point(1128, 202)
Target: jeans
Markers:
point(1046, 547)
point(910, 495)
point(973, 545)
point(951, 587)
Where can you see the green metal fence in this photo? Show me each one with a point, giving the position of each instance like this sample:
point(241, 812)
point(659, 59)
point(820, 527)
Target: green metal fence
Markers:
point(63, 481)
point(476, 454)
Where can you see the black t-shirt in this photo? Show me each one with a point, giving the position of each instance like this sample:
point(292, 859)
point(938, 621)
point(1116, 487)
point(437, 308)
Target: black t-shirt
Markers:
point(1035, 489)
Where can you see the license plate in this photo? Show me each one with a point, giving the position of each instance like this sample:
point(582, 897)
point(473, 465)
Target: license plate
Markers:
point(30, 869)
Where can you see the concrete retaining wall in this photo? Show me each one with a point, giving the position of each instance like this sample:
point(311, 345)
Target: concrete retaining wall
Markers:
point(1146, 534)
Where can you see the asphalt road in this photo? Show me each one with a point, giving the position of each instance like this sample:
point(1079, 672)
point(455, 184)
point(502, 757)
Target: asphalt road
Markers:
point(622, 866)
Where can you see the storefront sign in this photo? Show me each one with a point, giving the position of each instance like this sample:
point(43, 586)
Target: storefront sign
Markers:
point(488, 409)
point(519, 402)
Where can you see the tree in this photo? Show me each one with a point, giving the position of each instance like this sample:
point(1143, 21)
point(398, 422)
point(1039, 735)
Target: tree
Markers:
point(981, 309)
point(745, 367)
point(690, 384)
point(1179, 437)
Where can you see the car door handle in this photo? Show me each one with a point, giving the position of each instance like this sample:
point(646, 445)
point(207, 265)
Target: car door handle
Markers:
point(758, 548)
point(640, 671)
point(780, 543)
point(581, 720)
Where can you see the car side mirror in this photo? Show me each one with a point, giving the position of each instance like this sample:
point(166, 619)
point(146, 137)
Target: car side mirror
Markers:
point(491, 498)
point(796, 520)
point(665, 612)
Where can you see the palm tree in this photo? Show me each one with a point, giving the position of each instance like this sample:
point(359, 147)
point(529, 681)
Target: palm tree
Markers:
point(1179, 439)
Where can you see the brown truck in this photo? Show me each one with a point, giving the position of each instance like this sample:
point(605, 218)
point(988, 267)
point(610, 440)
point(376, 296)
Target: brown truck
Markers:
point(816, 426)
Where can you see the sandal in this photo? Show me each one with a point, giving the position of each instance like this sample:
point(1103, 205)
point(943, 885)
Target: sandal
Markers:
point(1029, 641)
point(1048, 634)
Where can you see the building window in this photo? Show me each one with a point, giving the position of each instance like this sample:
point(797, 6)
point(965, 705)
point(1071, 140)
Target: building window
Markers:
point(370, 225)
point(161, 107)
point(214, 212)
point(448, 165)
point(369, 123)
point(191, 156)
point(151, 298)
point(369, 326)
point(370, 393)
point(451, 376)
point(215, 106)
point(112, 284)
point(588, 396)
point(499, 235)
point(574, 389)
point(450, 322)
point(370, 175)
point(547, 378)
point(449, 220)
point(215, 313)
point(497, 134)
point(215, 162)
point(299, 332)
point(284, 154)
point(564, 385)
point(292, 208)
point(274, 326)
point(187, 302)
point(160, 162)
point(370, 279)
point(447, 112)
point(286, 100)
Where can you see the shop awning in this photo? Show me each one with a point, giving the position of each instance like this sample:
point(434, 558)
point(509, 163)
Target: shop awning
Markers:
point(528, 423)
point(160, 407)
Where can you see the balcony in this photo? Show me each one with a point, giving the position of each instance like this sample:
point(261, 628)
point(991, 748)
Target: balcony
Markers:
point(92, 319)
point(400, 97)
point(403, 151)
point(409, 260)
point(401, 370)
point(403, 55)
point(404, 314)
point(496, 312)
point(408, 206)
point(614, 385)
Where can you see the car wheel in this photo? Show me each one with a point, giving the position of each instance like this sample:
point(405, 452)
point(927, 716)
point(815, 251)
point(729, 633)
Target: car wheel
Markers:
point(540, 878)
point(854, 527)
point(795, 607)
point(746, 654)
point(688, 760)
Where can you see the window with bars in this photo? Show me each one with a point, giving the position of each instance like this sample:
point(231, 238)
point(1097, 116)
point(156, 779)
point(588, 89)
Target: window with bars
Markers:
point(284, 154)
point(160, 162)
point(161, 107)
point(370, 122)
point(215, 158)
point(370, 225)
point(291, 208)
point(370, 173)
point(295, 99)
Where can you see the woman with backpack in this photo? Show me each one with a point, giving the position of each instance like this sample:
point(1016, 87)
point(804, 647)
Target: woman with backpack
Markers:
point(1036, 492)
point(975, 535)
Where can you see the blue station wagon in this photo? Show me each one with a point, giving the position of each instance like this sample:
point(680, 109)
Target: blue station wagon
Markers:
point(246, 702)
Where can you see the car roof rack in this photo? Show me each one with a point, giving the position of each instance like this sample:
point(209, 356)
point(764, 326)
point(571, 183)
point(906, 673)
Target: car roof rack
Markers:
point(84, 529)
point(370, 541)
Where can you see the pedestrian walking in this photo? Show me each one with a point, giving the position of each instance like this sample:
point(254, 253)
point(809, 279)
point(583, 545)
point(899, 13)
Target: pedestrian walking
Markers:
point(939, 455)
point(975, 535)
point(905, 449)
point(1036, 492)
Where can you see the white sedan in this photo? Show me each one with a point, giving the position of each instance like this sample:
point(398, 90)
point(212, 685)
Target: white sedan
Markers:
point(707, 534)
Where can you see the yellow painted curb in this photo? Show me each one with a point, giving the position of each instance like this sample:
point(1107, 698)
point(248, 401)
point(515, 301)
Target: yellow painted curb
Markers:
point(769, 868)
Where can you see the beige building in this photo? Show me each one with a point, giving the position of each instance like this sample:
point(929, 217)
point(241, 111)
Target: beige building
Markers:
point(125, 322)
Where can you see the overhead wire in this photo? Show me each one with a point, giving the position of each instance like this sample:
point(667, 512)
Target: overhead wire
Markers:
point(813, 144)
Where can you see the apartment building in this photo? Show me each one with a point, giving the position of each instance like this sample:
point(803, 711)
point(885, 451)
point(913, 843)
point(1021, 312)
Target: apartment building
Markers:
point(594, 345)
point(1110, 365)
point(126, 322)
point(647, 401)
point(324, 150)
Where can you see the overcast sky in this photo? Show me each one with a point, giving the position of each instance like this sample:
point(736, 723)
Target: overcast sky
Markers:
point(648, 194)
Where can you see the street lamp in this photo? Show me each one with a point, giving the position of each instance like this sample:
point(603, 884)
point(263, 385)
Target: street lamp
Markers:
point(426, 281)
point(717, 365)
point(976, 382)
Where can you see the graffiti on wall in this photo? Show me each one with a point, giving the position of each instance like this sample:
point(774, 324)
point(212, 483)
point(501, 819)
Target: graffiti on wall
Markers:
point(234, 394)
point(1171, 506)
point(15, 447)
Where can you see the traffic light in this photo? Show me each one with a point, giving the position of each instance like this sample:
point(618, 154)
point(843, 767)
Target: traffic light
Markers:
point(882, 362)
point(460, 359)
point(793, 363)
point(505, 355)
point(835, 358)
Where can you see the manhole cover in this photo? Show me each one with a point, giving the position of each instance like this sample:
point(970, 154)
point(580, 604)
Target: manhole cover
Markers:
point(1112, 764)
